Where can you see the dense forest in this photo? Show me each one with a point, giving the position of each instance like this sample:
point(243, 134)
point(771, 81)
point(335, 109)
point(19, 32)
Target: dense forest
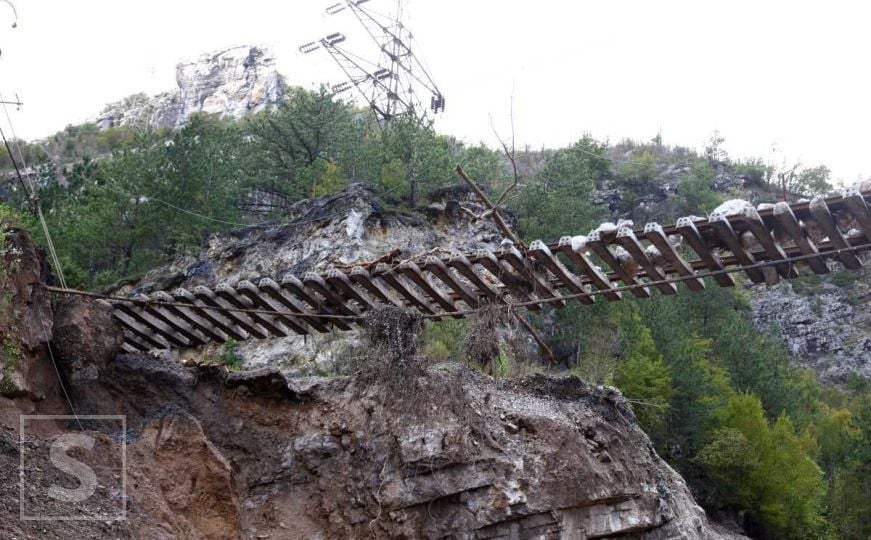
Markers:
point(753, 435)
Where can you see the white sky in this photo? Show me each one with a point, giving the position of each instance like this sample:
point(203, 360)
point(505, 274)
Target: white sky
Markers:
point(791, 73)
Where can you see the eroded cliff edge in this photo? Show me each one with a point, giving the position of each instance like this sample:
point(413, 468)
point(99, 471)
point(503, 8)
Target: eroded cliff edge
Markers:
point(258, 454)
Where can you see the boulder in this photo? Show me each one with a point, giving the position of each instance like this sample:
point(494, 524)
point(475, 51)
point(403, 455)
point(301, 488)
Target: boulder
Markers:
point(86, 338)
point(25, 316)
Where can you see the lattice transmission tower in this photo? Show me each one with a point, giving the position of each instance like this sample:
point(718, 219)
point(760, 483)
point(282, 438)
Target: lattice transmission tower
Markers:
point(391, 81)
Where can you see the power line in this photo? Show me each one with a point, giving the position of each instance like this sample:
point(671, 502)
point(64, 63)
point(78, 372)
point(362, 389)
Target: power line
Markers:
point(32, 197)
point(398, 69)
point(57, 371)
point(209, 218)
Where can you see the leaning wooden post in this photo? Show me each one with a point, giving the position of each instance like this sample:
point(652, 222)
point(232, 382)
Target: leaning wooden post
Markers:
point(509, 234)
point(503, 227)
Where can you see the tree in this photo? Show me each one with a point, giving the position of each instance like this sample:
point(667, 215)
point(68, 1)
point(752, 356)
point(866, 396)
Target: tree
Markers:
point(559, 201)
point(304, 130)
point(851, 486)
point(797, 180)
point(765, 470)
point(486, 166)
point(645, 380)
point(427, 158)
point(638, 170)
point(695, 194)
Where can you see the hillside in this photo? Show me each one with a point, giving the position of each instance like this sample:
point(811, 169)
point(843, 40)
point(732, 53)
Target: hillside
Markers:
point(428, 452)
point(656, 404)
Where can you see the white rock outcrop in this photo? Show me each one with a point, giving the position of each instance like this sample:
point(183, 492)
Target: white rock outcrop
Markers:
point(230, 83)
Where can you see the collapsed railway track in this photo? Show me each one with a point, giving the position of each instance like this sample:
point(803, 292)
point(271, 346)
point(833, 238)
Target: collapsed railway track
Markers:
point(765, 245)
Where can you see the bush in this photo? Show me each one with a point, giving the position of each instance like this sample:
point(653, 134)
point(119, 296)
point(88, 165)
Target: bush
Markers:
point(843, 278)
point(807, 285)
point(230, 356)
point(695, 194)
point(754, 171)
point(638, 170)
point(443, 339)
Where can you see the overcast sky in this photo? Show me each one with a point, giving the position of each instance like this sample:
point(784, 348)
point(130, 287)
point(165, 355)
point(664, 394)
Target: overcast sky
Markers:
point(792, 74)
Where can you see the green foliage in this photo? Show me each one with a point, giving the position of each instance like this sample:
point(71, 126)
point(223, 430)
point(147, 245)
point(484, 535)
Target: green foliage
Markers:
point(851, 516)
point(9, 257)
point(809, 284)
point(486, 166)
point(501, 364)
point(843, 278)
point(754, 171)
point(559, 200)
point(802, 181)
point(638, 170)
point(230, 357)
point(304, 130)
point(813, 181)
point(695, 194)
point(11, 356)
point(152, 201)
point(443, 339)
point(646, 381)
point(330, 181)
point(765, 470)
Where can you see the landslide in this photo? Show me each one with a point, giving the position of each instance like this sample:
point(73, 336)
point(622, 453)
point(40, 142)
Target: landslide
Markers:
point(401, 449)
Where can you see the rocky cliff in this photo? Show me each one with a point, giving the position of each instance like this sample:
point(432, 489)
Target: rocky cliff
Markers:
point(232, 82)
point(350, 227)
point(825, 322)
point(427, 452)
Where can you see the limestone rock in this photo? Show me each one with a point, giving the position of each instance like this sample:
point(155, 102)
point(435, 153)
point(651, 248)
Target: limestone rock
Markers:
point(349, 227)
point(530, 457)
point(230, 83)
point(825, 326)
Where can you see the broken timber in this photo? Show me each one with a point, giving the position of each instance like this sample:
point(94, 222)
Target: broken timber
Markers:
point(543, 274)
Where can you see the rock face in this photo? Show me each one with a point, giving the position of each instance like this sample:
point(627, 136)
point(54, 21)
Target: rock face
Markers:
point(86, 336)
point(233, 82)
point(180, 478)
point(439, 452)
point(825, 326)
point(533, 457)
point(25, 317)
point(351, 226)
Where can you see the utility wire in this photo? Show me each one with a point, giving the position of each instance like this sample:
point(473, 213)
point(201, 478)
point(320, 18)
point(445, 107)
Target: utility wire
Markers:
point(57, 371)
point(231, 223)
point(34, 201)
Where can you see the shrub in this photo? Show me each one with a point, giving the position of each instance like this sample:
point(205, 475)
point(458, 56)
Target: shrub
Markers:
point(230, 356)
point(843, 278)
point(443, 339)
point(638, 170)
